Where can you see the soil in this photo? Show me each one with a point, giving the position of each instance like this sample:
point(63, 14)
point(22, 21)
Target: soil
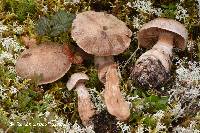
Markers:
point(149, 73)
point(105, 123)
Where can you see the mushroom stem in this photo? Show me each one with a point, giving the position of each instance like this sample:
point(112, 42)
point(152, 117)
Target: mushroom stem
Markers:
point(102, 63)
point(107, 73)
point(82, 90)
point(85, 105)
point(165, 43)
point(114, 100)
point(166, 38)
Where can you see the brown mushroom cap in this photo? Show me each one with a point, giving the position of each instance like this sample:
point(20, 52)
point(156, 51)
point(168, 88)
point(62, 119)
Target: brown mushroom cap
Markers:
point(149, 33)
point(75, 79)
point(47, 60)
point(100, 34)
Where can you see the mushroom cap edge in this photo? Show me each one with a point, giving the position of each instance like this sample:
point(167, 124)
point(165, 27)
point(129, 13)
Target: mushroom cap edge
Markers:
point(76, 78)
point(149, 33)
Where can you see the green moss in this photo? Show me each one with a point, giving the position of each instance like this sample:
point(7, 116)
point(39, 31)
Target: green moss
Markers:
point(22, 8)
point(149, 121)
point(2, 5)
point(26, 100)
point(169, 10)
point(3, 118)
point(93, 80)
point(155, 103)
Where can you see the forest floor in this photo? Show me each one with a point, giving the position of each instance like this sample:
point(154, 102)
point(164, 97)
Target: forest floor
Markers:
point(26, 107)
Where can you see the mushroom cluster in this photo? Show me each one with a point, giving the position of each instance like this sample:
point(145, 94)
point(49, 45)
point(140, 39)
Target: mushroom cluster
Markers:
point(153, 67)
point(49, 62)
point(103, 35)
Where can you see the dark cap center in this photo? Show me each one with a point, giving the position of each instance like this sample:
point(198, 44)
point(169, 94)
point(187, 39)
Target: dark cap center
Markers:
point(105, 27)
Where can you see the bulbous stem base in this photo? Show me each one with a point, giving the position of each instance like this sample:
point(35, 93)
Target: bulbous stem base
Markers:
point(152, 67)
point(150, 73)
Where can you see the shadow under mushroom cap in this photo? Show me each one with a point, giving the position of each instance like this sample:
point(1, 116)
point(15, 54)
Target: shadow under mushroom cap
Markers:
point(47, 61)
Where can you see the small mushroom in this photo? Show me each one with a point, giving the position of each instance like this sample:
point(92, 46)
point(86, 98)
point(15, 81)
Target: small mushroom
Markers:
point(153, 67)
point(85, 105)
point(103, 35)
point(47, 63)
point(29, 42)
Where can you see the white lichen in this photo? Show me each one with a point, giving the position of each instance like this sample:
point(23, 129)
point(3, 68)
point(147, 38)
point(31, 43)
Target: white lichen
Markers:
point(71, 1)
point(3, 93)
point(190, 129)
point(137, 22)
point(198, 6)
point(18, 29)
point(181, 13)
point(145, 6)
point(44, 9)
point(97, 99)
point(13, 90)
point(10, 44)
point(189, 74)
point(124, 127)
point(186, 89)
point(140, 129)
point(3, 27)
point(6, 56)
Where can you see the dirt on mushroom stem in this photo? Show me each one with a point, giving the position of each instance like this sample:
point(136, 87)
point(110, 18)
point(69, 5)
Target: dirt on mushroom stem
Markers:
point(150, 73)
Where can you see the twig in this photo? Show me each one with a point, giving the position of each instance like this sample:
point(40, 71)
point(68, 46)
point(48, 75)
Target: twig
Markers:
point(132, 55)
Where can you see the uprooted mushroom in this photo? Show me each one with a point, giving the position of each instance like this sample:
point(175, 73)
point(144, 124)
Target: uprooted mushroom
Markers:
point(103, 35)
point(85, 106)
point(153, 67)
point(44, 63)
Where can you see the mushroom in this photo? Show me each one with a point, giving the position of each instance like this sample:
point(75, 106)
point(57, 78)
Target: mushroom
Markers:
point(103, 35)
point(47, 62)
point(85, 105)
point(28, 41)
point(153, 67)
